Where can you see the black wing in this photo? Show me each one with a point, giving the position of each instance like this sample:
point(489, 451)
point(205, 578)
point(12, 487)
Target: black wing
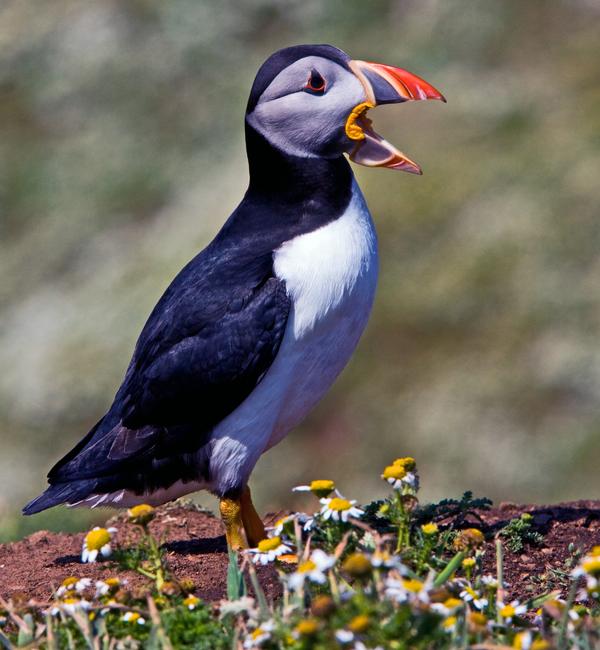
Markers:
point(207, 344)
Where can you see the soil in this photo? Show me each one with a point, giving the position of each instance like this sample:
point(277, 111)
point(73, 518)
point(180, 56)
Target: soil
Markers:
point(196, 549)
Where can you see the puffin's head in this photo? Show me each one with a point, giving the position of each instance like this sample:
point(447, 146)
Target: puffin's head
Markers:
point(312, 101)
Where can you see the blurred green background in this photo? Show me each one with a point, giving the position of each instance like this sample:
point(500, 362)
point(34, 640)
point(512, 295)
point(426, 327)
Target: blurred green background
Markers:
point(122, 153)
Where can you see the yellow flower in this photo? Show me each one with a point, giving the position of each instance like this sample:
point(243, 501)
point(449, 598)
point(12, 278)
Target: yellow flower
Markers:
point(307, 627)
point(357, 565)
point(477, 621)
point(359, 624)
point(133, 617)
point(591, 565)
point(71, 581)
point(469, 562)
point(95, 542)
point(321, 487)
point(429, 529)
point(470, 538)
point(268, 550)
point(394, 471)
point(413, 585)
point(191, 602)
point(269, 544)
point(339, 509)
point(451, 603)
point(407, 462)
point(142, 514)
point(449, 623)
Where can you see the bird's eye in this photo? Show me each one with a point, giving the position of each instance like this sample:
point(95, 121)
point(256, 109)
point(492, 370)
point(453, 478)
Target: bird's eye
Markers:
point(315, 83)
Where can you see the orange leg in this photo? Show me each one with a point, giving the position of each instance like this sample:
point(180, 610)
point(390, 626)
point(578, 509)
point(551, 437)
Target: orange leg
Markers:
point(253, 525)
point(231, 513)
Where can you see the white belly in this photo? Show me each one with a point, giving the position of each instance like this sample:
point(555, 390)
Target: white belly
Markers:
point(331, 276)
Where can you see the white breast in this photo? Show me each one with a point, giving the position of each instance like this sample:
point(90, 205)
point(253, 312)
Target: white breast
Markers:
point(331, 276)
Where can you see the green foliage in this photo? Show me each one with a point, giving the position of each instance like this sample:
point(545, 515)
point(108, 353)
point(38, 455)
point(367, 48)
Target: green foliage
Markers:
point(457, 510)
point(520, 532)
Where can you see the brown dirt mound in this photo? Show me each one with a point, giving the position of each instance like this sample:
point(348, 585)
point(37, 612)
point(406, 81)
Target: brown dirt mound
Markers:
point(196, 549)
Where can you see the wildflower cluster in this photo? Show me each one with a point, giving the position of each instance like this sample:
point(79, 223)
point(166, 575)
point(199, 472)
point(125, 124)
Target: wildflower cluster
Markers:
point(353, 577)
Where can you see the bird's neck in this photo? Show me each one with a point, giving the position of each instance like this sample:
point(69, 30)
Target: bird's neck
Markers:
point(283, 178)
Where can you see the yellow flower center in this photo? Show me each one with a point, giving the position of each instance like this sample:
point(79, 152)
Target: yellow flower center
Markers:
point(508, 611)
point(322, 484)
point(141, 514)
point(413, 585)
point(191, 600)
point(595, 552)
point(112, 582)
point(396, 472)
point(339, 504)
point(451, 603)
point(449, 622)
point(256, 633)
point(540, 644)
point(359, 624)
point(591, 565)
point(307, 627)
point(429, 529)
point(71, 601)
point(469, 562)
point(96, 539)
point(67, 582)
point(357, 565)
point(477, 618)
point(266, 545)
point(133, 617)
point(307, 567)
point(408, 463)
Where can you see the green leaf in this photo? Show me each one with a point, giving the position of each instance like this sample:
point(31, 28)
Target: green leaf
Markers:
point(236, 586)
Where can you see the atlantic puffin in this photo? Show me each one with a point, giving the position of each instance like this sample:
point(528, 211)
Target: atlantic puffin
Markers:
point(254, 330)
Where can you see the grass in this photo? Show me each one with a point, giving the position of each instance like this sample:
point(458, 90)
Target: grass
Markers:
point(389, 574)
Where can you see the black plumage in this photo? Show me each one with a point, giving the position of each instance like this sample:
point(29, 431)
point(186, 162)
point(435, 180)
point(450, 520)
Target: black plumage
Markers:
point(209, 340)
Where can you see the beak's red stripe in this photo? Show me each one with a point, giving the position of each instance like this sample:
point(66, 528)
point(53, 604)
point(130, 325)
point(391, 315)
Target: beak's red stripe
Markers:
point(407, 84)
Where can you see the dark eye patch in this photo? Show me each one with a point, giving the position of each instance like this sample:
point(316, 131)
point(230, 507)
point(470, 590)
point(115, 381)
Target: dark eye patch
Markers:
point(315, 83)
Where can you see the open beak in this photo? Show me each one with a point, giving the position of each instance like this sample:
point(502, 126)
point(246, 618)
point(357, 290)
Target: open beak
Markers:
point(383, 84)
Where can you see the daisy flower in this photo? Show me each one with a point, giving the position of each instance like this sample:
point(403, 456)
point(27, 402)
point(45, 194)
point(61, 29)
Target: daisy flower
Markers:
point(406, 589)
point(320, 488)
point(268, 550)
point(469, 595)
point(400, 478)
point(191, 602)
point(259, 635)
point(97, 541)
point(312, 569)
point(133, 617)
point(71, 605)
point(449, 624)
point(105, 587)
point(339, 509)
point(508, 612)
point(447, 607)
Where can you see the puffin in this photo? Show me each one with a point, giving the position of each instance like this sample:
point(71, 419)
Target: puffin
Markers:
point(253, 331)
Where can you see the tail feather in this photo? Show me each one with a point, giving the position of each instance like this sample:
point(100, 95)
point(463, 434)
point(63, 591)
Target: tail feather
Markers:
point(60, 493)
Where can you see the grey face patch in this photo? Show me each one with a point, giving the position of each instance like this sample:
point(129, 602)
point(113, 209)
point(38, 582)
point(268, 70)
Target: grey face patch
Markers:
point(306, 124)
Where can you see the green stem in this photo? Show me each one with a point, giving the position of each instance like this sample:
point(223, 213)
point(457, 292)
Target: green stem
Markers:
point(562, 636)
point(449, 569)
point(499, 577)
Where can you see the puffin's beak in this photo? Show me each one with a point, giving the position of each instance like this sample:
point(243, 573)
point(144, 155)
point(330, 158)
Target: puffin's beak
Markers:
point(383, 84)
